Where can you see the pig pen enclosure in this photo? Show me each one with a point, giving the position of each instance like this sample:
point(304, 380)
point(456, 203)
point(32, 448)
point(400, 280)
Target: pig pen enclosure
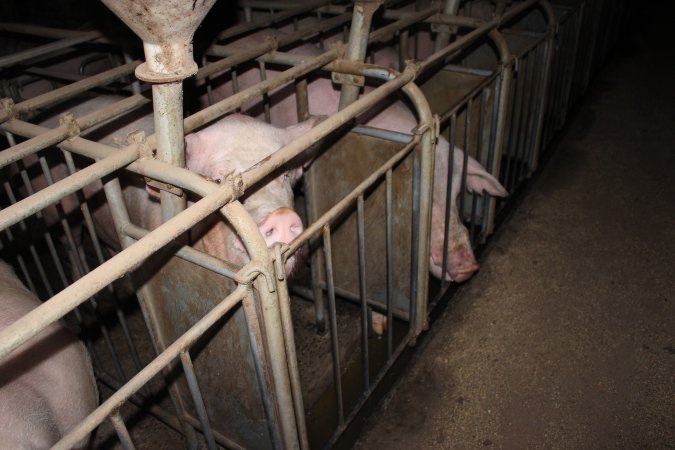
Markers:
point(206, 326)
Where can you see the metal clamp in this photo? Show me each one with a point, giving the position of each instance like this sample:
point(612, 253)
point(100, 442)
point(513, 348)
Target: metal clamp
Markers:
point(279, 264)
point(69, 121)
point(348, 79)
point(237, 183)
point(139, 138)
point(251, 271)
point(6, 109)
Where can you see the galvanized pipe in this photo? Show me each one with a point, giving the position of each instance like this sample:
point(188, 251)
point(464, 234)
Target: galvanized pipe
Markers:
point(10, 60)
point(270, 20)
point(66, 92)
point(358, 43)
point(68, 129)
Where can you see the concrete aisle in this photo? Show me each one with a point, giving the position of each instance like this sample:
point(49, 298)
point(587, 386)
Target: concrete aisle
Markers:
point(566, 336)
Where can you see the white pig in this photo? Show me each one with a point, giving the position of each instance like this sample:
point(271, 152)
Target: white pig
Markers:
point(234, 143)
point(47, 385)
point(324, 99)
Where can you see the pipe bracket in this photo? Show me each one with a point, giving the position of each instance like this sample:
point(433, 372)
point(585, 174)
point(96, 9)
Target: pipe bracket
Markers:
point(6, 109)
point(251, 271)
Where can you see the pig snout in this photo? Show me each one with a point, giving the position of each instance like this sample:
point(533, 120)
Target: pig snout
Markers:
point(461, 265)
point(283, 225)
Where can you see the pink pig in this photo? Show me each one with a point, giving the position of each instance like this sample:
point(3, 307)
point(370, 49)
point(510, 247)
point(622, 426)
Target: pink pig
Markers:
point(324, 99)
point(232, 144)
point(47, 386)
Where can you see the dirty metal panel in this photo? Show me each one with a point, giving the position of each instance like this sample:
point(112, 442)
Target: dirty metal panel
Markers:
point(223, 363)
point(351, 160)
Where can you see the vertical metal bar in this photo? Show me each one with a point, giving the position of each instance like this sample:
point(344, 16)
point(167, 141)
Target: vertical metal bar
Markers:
point(390, 263)
point(207, 83)
point(291, 354)
point(525, 151)
point(335, 349)
point(265, 96)
point(311, 185)
point(122, 432)
point(261, 369)
point(361, 237)
point(448, 197)
point(302, 99)
point(197, 399)
point(443, 38)
point(167, 99)
point(358, 42)
point(465, 165)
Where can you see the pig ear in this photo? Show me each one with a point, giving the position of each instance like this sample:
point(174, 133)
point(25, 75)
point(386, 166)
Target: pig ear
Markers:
point(478, 180)
point(152, 191)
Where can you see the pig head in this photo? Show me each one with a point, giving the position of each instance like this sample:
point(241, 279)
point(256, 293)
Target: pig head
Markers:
point(230, 145)
point(461, 262)
point(47, 386)
point(234, 144)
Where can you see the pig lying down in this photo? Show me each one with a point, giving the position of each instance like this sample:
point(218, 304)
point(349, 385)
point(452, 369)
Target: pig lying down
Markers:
point(47, 385)
point(324, 99)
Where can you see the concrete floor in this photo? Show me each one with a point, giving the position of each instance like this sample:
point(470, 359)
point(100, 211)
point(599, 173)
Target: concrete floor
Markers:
point(566, 336)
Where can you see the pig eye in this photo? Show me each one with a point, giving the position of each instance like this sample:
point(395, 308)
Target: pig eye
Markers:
point(269, 232)
point(286, 176)
point(217, 180)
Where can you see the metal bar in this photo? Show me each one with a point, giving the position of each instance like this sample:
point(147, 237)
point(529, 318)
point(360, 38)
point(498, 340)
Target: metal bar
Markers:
point(262, 371)
point(390, 263)
point(64, 131)
point(121, 430)
point(29, 206)
point(197, 399)
point(275, 18)
point(152, 369)
point(19, 57)
point(289, 339)
point(358, 43)
point(335, 348)
point(360, 239)
point(448, 198)
point(69, 91)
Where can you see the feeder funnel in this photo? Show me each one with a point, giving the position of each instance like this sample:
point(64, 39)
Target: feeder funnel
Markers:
point(166, 28)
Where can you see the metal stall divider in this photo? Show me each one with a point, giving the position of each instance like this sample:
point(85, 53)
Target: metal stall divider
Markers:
point(369, 229)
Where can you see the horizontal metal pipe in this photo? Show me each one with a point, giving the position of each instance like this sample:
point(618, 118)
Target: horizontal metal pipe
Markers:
point(16, 58)
point(53, 193)
point(144, 376)
point(285, 154)
point(271, 20)
point(37, 30)
point(60, 133)
point(386, 32)
point(218, 109)
point(71, 90)
point(125, 261)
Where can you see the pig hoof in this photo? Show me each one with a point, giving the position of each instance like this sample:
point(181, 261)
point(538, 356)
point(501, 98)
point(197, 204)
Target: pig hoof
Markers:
point(378, 323)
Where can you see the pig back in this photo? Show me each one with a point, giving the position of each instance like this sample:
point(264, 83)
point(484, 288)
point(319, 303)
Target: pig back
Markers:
point(46, 385)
